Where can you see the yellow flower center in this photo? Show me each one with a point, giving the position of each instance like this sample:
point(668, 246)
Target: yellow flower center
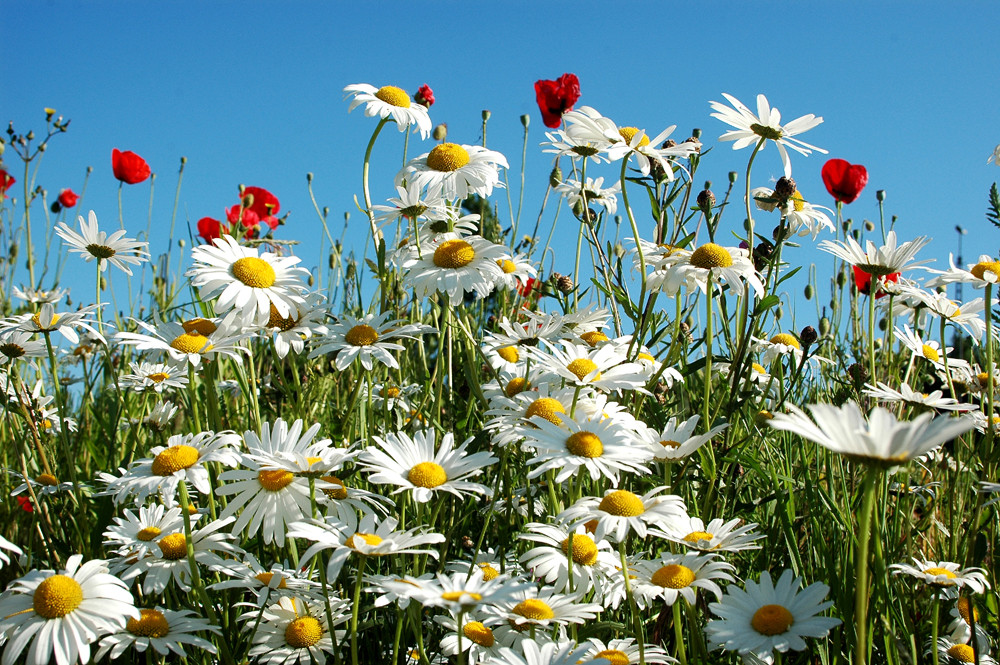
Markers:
point(765, 132)
point(158, 377)
point(515, 386)
point(509, 353)
point(489, 572)
point(979, 270)
point(507, 266)
point(57, 596)
point(200, 326)
point(581, 367)
point(931, 353)
point(146, 534)
point(628, 133)
point(478, 633)
point(37, 320)
point(447, 157)
point(534, 609)
point(392, 392)
point(394, 96)
point(584, 549)
point(771, 620)
point(100, 251)
point(759, 368)
point(613, 656)
point(338, 492)
point(453, 596)
point(622, 503)
point(254, 272)
point(173, 547)
point(151, 623)
point(361, 335)
point(173, 459)
point(786, 339)
point(710, 256)
point(191, 342)
point(670, 444)
point(454, 254)
point(12, 350)
point(303, 632)
point(673, 576)
point(368, 538)
point(280, 322)
point(585, 444)
point(47, 479)
point(427, 474)
point(941, 572)
point(546, 407)
point(798, 201)
point(265, 579)
point(274, 480)
point(963, 611)
point(963, 653)
point(695, 536)
point(594, 337)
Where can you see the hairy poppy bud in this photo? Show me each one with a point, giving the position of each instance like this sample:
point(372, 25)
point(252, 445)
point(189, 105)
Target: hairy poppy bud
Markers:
point(808, 336)
point(824, 326)
point(555, 177)
point(809, 291)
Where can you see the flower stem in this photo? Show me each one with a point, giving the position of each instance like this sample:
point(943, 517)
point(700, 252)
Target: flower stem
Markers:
point(355, 610)
point(861, 566)
point(636, 622)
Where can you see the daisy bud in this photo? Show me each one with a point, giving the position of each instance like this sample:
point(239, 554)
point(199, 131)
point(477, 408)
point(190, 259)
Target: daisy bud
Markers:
point(31, 135)
point(733, 175)
point(669, 143)
point(784, 188)
point(440, 132)
point(706, 200)
point(880, 195)
point(555, 177)
point(841, 279)
point(311, 280)
point(466, 541)
point(619, 250)
point(808, 335)
point(525, 120)
point(104, 284)
point(809, 291)
point(184, 160)
point(564, 283)
point(858, 374)
point(695, 143)
point(309, 177)
point(42, 147)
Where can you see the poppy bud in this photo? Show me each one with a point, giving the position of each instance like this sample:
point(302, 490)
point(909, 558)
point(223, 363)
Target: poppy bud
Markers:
point(55, 207)
point(880, 195)
point(440, 132)
point(555, 176)
point(526, 120)
point(869, 225)
point(778, 313)
point(824, 326)
point(424, 96)
point(311, 280)
point(68, 198)
point(12, 252)
point(784, 188)
point(841, 279)
point(733, 175)
point(809, 291)
point(486, 114)
point(808, 336)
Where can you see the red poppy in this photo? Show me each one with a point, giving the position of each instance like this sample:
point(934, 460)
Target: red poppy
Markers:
point(531, 287)
point(424, 96)
point(863, 281)
point(6, 180)
point(264, 203)
point(249, 218)
point(844, 180)
point(25, 504)
point(557, 97)
point(129, 167)
point(209, 229)
point(68, 198)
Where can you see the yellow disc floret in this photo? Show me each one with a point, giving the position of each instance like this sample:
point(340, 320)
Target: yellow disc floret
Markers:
point(454, 596)
point(673, 576)
point(394, 96)
point(507, 266)
point(173, 459)
point(931, 353)
point(546, 407)
point(37, 320)
point(941, 572)
point(594, 337)
point(361, 335)
point(151, 623)
point(447, 157)
point(628, 133)
point(786, 339)
point(489, 572)
point(980, 269)
point(622, 503)
point(282, 323)
point(478, 633)
point(710, 256)
point(192, 342)
point(254, 272)
point(427, 474)
point(146, 534)
point(454, 254)
point(697, 536)
point(274, 480)
point(584, 549)
point(303, 632)
point(57, 596)
point(534, 609)
point(369, 539)
point(265, 579)
point(338, 491)
point(581, 367)
point(963, 653)
point(516, 385)
point(509, 353)
point(173, 547)
point(772, 620)
point(585, 444)
point(613, 656)
point(963, 611)
point(47, 479)
point(200, 326)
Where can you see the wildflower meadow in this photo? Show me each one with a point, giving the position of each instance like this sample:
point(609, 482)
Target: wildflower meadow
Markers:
point(589, 433)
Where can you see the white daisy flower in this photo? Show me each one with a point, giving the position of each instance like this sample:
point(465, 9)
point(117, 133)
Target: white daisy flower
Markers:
point(980, 274)
point(268, 583)
point(164, 631)
point(593, 561)
point(412, 204)
point(153, 377)
point(39, 296)
point(43, 485)
point(716, 536)
point(283, 447)
point(765, 125)
point(412, 464)
point(677, 440)
point(966, 315)
point(728, 265)
point(454, 266)
point(584, 319)
point(134, 536)
point(515, 271)
point(603, 368)
point(62, 614)
point(802, 218)
point(955, 651)
point(455, 171)
point(17, 345)
point(626, 652)
point(674, 576)
point(945, 576)
point(878, 261)
point(159, 419)
point(879, 438)
point(293, 631)
point(511, 415)
point(46, 320)
point(247, 282)
point(935, 400)
point(929, 350)
point(479, 642)
point(390, 101)
point(191, 340)
point(593, 191)
point(543, 609)
point(620, 512)
point(552, 653)
point(766, 617)
point(647, 151)
point(266, 499)
point(345, 502)
point(390, 397)
point(292, 331)
point(963, 613)
point(366, 339)
point(115, 249)
point(465, 591)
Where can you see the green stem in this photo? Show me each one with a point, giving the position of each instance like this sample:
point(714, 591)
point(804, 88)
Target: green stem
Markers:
point(355, 611)
point(679, 633)
point(636, 620)
point(861, 565)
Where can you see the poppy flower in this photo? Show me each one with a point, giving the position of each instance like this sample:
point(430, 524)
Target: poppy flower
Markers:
point(844, 180)
point(557, 97)
point(68, 198)
point(129, 167)
point(209, 229)
point(424, 96)
point(6, 180)
point(264, 203)
point(863, 281)
point(237, 214)
point(25, 504)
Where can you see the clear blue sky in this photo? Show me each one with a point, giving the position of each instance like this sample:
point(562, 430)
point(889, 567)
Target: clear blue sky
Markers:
point(250, 93)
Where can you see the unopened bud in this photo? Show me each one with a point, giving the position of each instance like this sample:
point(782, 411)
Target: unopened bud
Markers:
point(778, 313)
point(706, 201)
point(841, 279)
point(809, 291)
point(311, 280)
point(619, 250)
point(824, 326)
point(525, 120)
point(846, 225)
point(696, 133)
point(331, 261)
point(104, 283)
point(309, 177)
point(486, 114)
point(858, 374)
point(12, 252)
point(869, 225)
point(555, 177)
point(733, 175)
point(808, 336)
point(42, 147)
point(181, 242)
point(31, 135)
point(184, 160)
point(880, 195)
point(784, 188)
point(565, 283)
point(440, 132)
point(56, 207)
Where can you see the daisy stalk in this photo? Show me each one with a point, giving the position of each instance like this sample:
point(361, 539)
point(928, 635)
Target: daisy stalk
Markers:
point(376, 234)
point(636, 619)
point(638, 247)
point(861, 595)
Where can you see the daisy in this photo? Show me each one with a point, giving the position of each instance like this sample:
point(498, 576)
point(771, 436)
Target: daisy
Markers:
point(62, 614)
point(515, 270)
point(9, 547)
point(15, 345)
point(593, 193)
point(677, 440)
point(455, 171)
point(390, 101)
point(166, 631)
point(292, 631)
point(134, 536)
point(626, 652)
point(545, 608)
point(292, 331)
point(183, 459)
point(727, 265)
point(966, 315)
point(247, 282)
point(47, 320)
point(935, 400)
point(766, 617)
point(43, 485)
point(454, 266)
point(266, 499)
point(552, 653)
point(984, 272)
point(584, 319)
point(191, 340)
point(879, 438)
point(677, 575)
point(39, 296)
point(412, 203)
point(878, 261)
point(153, 377)
point(957, 651)
point(634, 141)
point(802, 218)
point(412, 464)
point(593, 561)
point(507, 347)
point(160, 418)
point(281, 446)
point(345, 502)
point(765, 125)
point(366, 339)
point(393, 589)
point(267, 583)
point(929, 350)
point(620, 512)
point(588, 442)
point(478, 639)
point(511, 415)
point(963, 614)
point(716, 536)
point(464, 592)
point(944, 576)
point(115, 249)
point(389, 397)
point(604, 368)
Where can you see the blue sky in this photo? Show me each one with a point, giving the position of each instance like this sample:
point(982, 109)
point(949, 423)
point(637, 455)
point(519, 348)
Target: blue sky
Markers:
point(251, 93)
